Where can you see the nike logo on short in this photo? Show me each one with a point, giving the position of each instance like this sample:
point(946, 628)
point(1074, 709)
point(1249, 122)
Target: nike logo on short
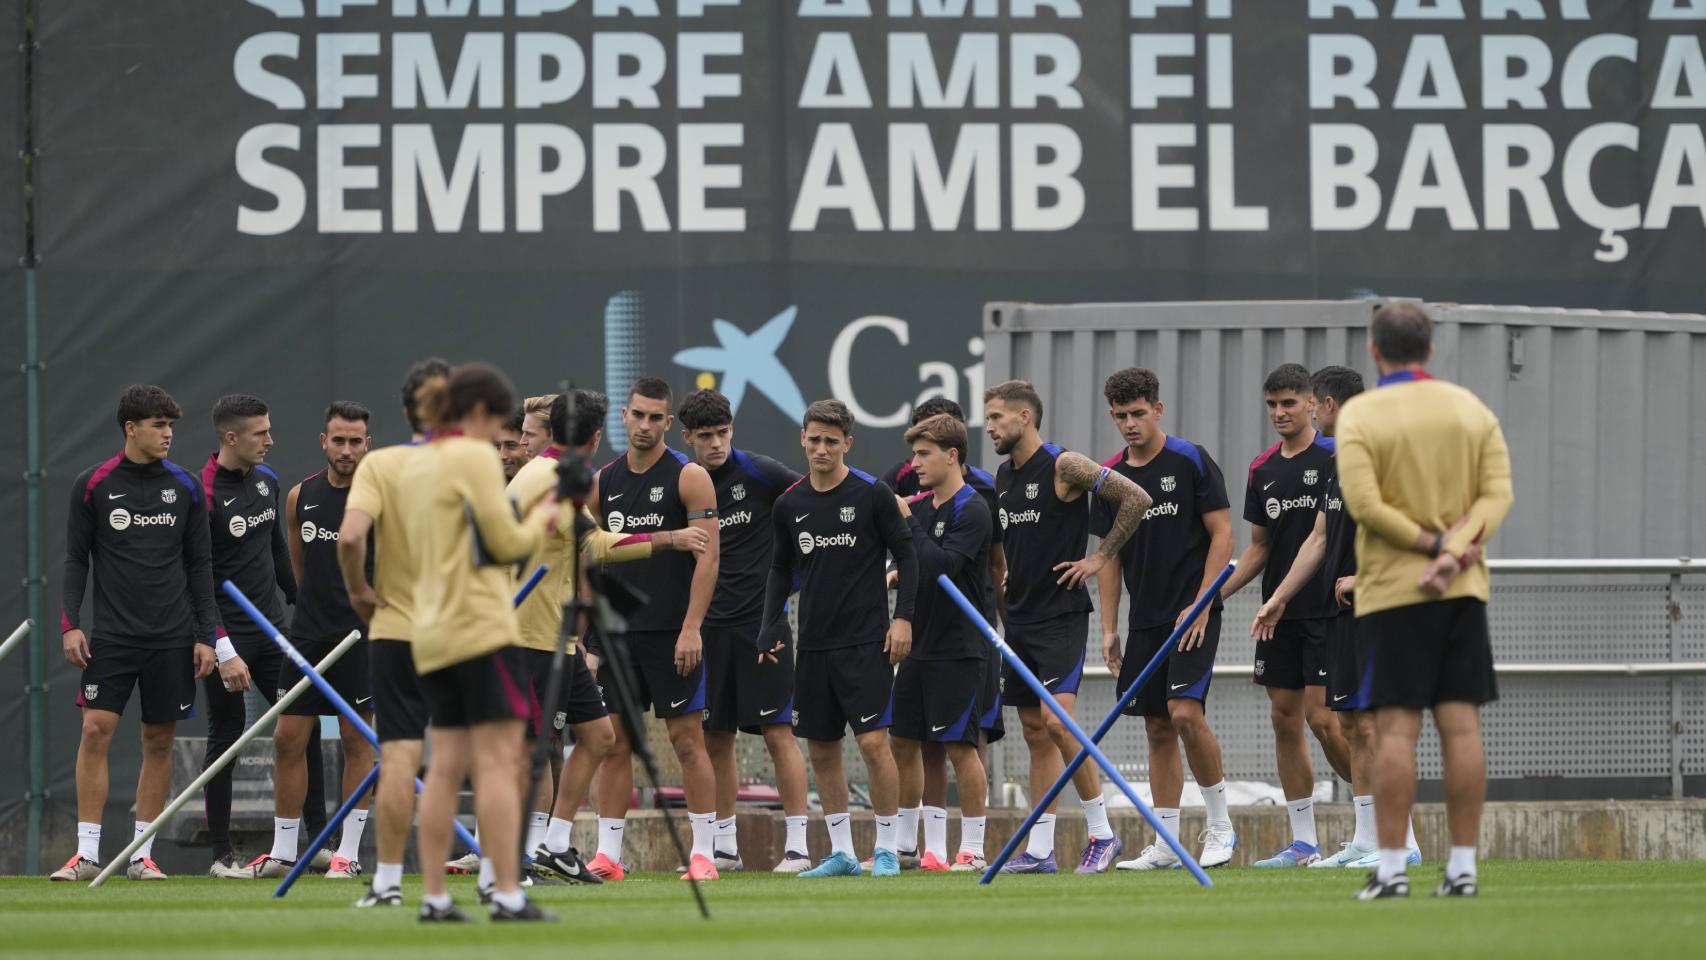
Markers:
point(185, 706)
point(801, 517)
point(617, 496)
point(1178, 686)
point(1051, 682)
point(362, 700)
point(229, 502)
point(115, 496)
point(868, 719)
point(678, 703)
point(766, 713)
point(310, 506)
point(939, 729)
point(1341, 696)
point(1321, 673)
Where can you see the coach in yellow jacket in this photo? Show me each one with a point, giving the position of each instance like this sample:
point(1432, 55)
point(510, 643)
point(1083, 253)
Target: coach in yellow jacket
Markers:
point(1425, 471)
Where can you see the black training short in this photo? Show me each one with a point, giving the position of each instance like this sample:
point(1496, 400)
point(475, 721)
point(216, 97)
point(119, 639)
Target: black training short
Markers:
point(938, 700)
point(991, 722)
point(399, 707)
point(742, 693)
point(351, 676)
point(489, 688)
point(655, 683)
point(1054, 650)
point(841, 688)
point(578, 696)
point(165, 677)
point(1296, 657)
point(1348, 677)
point(1185, 676)
point(1430, 653)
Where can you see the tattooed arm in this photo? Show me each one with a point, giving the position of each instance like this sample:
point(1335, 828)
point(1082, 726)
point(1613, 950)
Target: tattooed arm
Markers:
point(1078, 472)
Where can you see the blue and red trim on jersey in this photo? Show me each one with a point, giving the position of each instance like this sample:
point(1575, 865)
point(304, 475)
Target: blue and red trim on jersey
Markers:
point(100, 474)
point(1406, 375)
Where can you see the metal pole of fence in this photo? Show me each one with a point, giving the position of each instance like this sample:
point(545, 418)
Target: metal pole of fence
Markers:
point(1673, 629)
point(1149, 670)
point(16, 638)
point(1047, 699)
point(225, 759)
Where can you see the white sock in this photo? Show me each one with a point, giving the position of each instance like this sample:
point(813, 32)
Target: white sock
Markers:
point(1214, 798)
point(936, 831)
point(906, 832)
point(726, 839)
point(1303, 820)
point(796, 842)
point(1366, 837)
point(971, 835)
point(610, 830)
point(1462, 862)
point(89, 841)
point(537, 823)
point(349, 845)
point(437, 901)
point(559, 834)
point(888, 832)
point(284, 835)
point(146, 851)
point(840, 827)
point(389, 876)
point(1391, 863)
point(488, 875)
point(1041, 842)
point(1096, 819)
point(1410, 835)
point(1169, 817)
point(704, 833)
point(512, 901)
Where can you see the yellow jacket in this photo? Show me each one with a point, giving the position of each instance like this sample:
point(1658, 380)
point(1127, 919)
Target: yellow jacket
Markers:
point(374, 491)
point(1415, 456)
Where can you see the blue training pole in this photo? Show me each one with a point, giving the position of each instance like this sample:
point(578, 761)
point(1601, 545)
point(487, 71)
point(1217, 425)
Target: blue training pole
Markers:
point(1095, 752)
point(337, 819)
point(1108, 722)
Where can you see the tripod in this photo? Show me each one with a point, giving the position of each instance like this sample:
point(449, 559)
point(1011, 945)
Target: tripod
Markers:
point(574, 482)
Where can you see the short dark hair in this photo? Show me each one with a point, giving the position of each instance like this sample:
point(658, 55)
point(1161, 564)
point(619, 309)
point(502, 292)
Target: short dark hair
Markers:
point(591, 407)
point(347, 410)
point(830, 413)
point(1289, 376)
point(1402, 332)
point(445, 400)
point(419, 374)
point(1131, 385)
point(651, 388)
point(513, 424)
point(937, 405)
point(232, 409)
point(1022, 391)
point(944, 430)
point(1340, 383)
point(145, 401)
point(705, 408)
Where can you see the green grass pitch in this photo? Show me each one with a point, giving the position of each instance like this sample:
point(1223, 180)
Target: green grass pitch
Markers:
point(1530, 909)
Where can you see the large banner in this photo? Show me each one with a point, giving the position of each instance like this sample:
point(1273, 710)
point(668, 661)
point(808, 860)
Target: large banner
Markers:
point(796, 198)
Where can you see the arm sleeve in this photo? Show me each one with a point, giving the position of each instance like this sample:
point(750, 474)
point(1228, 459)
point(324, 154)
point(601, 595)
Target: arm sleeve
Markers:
point(1211, 486)
point(198, 564)
point(776, 474)
point(283, 572)
point(79, 541)
point(506, 538)
point(1361, 488)
point(1493, 498)
point(1254, 512)
point(891, 526)
point(961, 543)
point(780, 582)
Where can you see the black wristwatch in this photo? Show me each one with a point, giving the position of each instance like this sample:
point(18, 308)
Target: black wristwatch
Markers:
point(1439, 543)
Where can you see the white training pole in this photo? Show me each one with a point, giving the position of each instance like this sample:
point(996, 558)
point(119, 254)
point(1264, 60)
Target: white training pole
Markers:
point(225, 759)
point(16, 638)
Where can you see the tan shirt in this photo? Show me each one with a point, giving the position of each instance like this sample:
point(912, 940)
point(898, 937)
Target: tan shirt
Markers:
point(464, 533)
point(374, 491)
point(1417, 456)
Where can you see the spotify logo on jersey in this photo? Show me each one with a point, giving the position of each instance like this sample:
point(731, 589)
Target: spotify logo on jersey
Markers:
point(806, 543)
point(1273, 509)
point(120, 519)
point(238, 526)
point(308, 531)
point(616, 521)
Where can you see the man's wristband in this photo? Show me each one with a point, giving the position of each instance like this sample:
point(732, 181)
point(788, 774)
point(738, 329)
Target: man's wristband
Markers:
point(1439, 542)
point(223, 650)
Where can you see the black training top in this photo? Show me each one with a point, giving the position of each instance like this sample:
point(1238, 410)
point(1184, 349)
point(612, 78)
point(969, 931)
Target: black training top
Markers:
point(838, 541)
point(323, 610)
point(649, 502)
point(1163, 560)
point(248, 543)
point(747, 486)
point(1283, 494)
point(1340, 559)
point(904, 481)
point(1040, 531)
point(143, 525)
point(953, 539)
